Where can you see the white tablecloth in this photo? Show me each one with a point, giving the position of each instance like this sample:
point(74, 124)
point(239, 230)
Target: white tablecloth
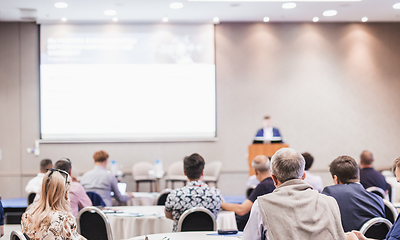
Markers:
point(189, 235)
point(142, 220)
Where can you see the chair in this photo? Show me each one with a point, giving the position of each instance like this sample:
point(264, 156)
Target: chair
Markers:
point(211, 172)
point(249, 191)
point(93, 224)
point(175, 174)
point(140, 174)
point(390, 211)
point(97, 201)
point(18, 235)
point(378, 191)
point(197, 219)
point(31, 196)
point(376, 228)
point(162, 197)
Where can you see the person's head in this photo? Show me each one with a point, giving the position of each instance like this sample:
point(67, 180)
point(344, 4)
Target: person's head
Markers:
point(396, 168)
point(309, 160)
point(193, 166)
point(344, 170)
point(267, 122)
point(261, 164)
point(45, 164)
point(100, 156)
point(64, 164)
point(366, 158)
point(287, 164)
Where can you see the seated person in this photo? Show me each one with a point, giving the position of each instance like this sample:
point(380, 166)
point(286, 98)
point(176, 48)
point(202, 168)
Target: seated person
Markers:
point(35, 183)
point(356, 204)
point(194, 194)
point(77, 194)
point(394, 232)
point(261, 167)
point(50, 217)
point(369, 177)
point(1, 220)
point(101, 181)
point(313, 180)
point(294, 210)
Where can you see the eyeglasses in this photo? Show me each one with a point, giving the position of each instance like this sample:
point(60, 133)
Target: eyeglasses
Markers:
point(63, 173)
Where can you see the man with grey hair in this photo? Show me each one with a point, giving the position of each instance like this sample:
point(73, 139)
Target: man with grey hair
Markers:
point(261, 165)
point(293, 210)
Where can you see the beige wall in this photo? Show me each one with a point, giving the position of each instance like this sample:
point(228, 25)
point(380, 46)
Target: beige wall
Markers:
point(331, 88)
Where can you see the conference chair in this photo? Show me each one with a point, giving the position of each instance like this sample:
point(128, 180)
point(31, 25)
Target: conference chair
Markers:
point(162, 197)
point(18, 235)
point(212, 171)
point(140, 174)
point(197, 219)
point(93, 224)
point(31, 196)
point(96, 199)
point(175, 174)
point(376, 228)
point(378, 191)
point(390, 211)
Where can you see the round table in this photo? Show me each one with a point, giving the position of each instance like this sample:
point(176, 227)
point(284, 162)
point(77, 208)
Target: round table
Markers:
point(189, 235)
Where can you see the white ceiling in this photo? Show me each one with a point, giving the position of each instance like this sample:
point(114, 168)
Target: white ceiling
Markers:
point(131, 11)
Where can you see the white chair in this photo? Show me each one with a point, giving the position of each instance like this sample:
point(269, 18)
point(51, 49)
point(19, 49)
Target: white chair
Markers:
point(175, 174)
point(140, 173)
point(17, 235)
point(162, 197)
point(376, 228)
point(378, 191)
point(390, 211)
point(92, 223)
point(197, 219)
point(211, 172)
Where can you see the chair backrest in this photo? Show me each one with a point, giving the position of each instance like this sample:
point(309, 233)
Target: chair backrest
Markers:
point(93, 224)
point(377, 190)
point(213, 169)
point(141, 169)
point(197, 219)
point(162, 197)
point(176, 168)
point(376, 228)
point(390, 211)
point(96, 199)
point(31, 196)
point(17, 235)
point(249, 191)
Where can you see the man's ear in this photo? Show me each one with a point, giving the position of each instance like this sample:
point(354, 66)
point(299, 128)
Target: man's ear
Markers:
point(304, 176)
point(336, 180)
point(276, 182)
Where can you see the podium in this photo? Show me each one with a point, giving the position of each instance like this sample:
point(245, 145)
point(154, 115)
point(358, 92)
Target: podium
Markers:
point(263, 149)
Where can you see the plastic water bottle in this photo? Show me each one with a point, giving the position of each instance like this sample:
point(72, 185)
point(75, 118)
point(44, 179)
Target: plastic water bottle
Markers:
point(158, 169)
point(114, 167)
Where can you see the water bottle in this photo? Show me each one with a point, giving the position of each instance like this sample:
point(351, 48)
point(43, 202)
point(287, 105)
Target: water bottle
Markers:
point(114, 167)
point(158, 169)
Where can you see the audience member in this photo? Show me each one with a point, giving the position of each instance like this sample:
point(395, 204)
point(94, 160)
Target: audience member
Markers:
point(50, 217)
point(77, 194)
point(261, 165)
point(194, 194)
point(35, 183)
point(1, 220)
point(313, 180)
point(101, 181)
point(369, 177)
point(294, 210)
point(355, 203)
point(394, 232)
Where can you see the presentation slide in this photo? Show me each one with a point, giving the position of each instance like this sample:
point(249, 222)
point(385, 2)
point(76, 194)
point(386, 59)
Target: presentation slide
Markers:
point(127, 82)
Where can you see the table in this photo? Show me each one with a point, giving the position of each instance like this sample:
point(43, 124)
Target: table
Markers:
point(190, 235)
point(132, 221)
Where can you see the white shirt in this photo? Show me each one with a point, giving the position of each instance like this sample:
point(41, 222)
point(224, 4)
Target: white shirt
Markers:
point(252, 181)
point(35, 184)
point(255, 225)
point(268, 133)
point(314, 180)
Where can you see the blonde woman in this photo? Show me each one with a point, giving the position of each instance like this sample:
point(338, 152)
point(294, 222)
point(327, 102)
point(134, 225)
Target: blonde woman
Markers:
point(49, 218)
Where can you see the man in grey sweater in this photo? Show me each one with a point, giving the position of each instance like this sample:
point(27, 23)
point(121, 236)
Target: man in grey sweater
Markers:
point(293, 210)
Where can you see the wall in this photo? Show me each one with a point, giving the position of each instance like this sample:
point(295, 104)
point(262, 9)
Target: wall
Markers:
point(331, 88)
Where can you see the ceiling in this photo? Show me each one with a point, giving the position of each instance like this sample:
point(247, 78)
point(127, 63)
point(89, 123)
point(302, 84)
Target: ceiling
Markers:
point(200, 11)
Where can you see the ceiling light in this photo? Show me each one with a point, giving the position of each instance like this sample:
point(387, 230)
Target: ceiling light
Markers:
point(216, 20)
point(110, 12)
point(315, 19)
point(396, 6)
point(176, 5)
point(266, 19)
point(330, 13)
point(64, 19)
point(165, 19)
point(364, 19)
point(289, 5)
point(115, 19)
point(60, 5)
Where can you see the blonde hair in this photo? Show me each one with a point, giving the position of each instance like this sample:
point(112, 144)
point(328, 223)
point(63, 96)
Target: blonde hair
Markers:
point(52, 198)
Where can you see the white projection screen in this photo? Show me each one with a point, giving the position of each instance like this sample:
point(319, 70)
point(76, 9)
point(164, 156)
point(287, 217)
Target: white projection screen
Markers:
point(144, 82)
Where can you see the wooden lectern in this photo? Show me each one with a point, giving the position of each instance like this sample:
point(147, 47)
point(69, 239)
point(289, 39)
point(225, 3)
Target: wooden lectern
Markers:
point(263, 149)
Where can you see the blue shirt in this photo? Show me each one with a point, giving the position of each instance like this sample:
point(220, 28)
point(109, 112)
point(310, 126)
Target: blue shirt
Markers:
point(1, 214)
point(394, 232)
point(369, 177)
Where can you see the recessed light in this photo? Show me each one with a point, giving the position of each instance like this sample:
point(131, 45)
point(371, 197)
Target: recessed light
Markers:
point(266, 19)
point(115, 19)
point(165, 19)
point(289, 5)
point(64, 19)
point(396, 6)
point(315, 19)
point(330, 13)
point(110, 12)
point(176, 5)
point(60, 5)
point(364, 19)
point(216, 20)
